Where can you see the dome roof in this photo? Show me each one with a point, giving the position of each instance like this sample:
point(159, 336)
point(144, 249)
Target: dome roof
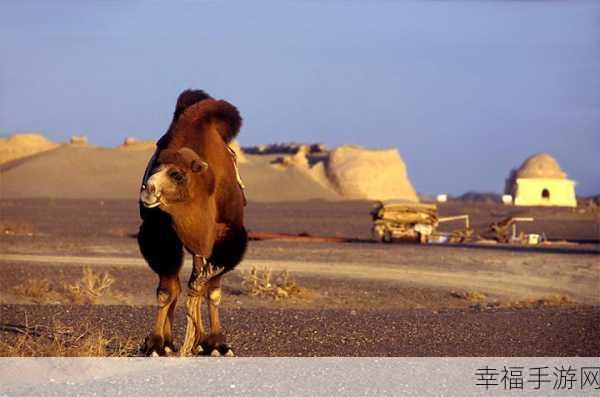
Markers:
point(541, 165)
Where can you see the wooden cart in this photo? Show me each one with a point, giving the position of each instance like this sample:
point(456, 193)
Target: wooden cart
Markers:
point(398, 220)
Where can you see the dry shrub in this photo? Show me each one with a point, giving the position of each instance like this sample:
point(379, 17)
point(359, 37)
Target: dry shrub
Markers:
point(90, 288)
point(262, 283)
point(469, 296)
point(16, 229)
point(60, 340)
point(535, 303)
point(546, 301)
point(38, 290)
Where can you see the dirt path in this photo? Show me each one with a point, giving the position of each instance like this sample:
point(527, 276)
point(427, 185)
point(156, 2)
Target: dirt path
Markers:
point(507, 280)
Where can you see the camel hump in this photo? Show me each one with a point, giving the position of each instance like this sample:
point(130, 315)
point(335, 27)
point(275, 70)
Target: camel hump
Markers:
point(186, 99)
point(226, 116)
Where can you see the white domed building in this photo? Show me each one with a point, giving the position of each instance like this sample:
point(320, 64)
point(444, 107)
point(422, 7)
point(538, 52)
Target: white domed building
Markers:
point(540, 181)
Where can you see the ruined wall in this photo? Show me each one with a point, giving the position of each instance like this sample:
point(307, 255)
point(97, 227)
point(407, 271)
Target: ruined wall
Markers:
point(358, 173)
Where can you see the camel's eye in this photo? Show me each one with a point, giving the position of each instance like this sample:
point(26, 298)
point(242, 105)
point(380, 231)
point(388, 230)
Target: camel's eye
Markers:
point(177, 176)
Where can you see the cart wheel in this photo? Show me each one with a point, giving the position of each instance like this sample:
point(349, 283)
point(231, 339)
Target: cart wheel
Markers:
point(387, 236)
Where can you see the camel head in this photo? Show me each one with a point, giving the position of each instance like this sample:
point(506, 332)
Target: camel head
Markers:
point(177, 177)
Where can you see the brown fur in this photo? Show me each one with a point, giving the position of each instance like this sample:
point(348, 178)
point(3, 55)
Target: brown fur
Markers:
point(203, 209)
point(216, 197)
point(186, 99)
point(220, 115)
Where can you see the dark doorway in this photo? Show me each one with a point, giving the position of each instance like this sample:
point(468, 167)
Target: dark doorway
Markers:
point(546, 194)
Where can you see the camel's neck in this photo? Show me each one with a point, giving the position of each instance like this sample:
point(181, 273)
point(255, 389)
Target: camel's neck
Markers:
point(194, 224)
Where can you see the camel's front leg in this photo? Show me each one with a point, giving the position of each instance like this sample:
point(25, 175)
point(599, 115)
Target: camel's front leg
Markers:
point(194, 330)
point(161, 341)
point(202, 272)
point(168, 329)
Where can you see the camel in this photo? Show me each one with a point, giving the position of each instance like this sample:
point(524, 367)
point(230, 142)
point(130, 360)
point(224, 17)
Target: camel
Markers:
point(191, 200)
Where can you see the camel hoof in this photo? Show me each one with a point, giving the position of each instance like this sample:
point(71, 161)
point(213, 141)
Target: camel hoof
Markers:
point(197, 350)
point(229, 353)
point(216, 344)
point(153, 347)
point(169, 352)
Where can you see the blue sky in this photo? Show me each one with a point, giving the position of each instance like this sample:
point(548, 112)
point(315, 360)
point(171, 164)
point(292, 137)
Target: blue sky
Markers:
point(464, 89)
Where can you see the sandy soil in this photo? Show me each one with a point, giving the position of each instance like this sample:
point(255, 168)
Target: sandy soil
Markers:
point(360, 298)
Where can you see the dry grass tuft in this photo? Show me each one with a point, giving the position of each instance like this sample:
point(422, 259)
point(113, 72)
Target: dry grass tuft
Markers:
point(532, 303)
point(547, 301)
point(90, 288)
point(16, 229)
point(59, 340)
point(263, 283)
point(470, 296)
point(38, 290)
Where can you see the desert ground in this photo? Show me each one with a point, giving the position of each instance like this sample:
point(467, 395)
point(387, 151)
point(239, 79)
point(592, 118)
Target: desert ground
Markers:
point(72, 282)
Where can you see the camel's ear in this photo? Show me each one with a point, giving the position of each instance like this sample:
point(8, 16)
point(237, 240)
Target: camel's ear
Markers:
point(199, 166)
point(192, 160)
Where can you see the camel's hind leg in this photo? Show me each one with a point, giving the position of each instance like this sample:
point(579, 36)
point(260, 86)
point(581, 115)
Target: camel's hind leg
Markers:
point(227, 253)
point(216, 343)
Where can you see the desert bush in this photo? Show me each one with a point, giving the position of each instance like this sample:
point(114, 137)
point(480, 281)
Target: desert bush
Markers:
point(546, 301)
point(469, 296)
point(263, 283)
point(16, 229)
point(38, 291)
point(91, 287)
point(535, 303)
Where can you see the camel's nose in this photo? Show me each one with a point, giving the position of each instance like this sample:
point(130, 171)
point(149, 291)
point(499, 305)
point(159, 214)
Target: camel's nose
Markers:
point(152, 189)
